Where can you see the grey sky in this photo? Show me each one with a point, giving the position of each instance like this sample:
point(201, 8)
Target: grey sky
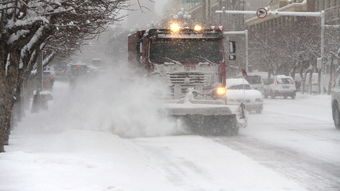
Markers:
point(138, 18)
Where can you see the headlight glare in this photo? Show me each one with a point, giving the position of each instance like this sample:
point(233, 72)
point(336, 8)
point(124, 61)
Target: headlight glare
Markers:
point(221, 91)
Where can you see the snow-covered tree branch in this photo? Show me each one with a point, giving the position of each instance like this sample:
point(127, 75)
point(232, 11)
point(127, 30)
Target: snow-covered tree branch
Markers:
point(59, 25)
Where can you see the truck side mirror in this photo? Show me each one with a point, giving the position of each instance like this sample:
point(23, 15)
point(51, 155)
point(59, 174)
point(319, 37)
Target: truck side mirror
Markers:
point(232, 50)
point(232, 47)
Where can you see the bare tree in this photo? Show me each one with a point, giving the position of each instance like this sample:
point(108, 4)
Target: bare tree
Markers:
point(28, 26)
point(288, 48)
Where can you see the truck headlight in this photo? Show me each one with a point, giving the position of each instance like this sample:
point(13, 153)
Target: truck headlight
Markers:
point(198, 28)
point(175, 28)
point(221, 91)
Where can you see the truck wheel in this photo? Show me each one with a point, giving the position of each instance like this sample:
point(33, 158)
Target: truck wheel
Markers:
point(232, 131)
point(272, 95)
point(231, 128)
point(235, 131)
point(336, 116)
point(293, 96)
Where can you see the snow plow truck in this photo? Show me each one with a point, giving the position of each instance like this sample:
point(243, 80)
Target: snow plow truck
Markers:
point(193, 65)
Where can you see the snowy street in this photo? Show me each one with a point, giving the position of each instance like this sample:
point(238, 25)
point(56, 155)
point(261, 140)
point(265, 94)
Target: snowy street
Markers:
point(295, 138)
point(287, 147)
point(170, 95)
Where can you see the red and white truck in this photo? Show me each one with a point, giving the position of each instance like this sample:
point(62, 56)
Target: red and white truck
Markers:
point(193, 63)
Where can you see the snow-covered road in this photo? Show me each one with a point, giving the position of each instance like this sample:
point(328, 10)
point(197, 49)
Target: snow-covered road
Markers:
point(292, 146)
point(296, 138)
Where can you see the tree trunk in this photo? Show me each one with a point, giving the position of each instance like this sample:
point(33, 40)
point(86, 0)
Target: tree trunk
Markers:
point(7, 122)
point(303, 83)
point(331, 75)
point(9, 76)
point(310, 82)
point(6, 106)
point(2, 128)
point(3, 60)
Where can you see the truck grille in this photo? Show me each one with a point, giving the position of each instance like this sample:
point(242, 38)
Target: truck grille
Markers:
point(187, 79)
point(182, 81)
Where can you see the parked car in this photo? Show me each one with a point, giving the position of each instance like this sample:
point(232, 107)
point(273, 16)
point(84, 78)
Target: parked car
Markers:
point(336, 103)
point(280, 85)
point(239, 91)
point(255, 82)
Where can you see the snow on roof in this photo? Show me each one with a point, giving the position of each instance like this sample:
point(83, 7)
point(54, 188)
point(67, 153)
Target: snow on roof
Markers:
point(283, 76)
point(262, 74)
point(236, 81)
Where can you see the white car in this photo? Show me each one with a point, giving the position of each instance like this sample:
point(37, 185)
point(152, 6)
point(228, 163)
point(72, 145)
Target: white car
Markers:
point(239, 91)
point(280, 85)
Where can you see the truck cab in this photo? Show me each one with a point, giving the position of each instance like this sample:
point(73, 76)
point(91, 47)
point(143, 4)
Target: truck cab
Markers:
point(186, 59)
point(192, 64)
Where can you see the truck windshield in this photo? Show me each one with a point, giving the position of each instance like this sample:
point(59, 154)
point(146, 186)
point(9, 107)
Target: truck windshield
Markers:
point(186, 50)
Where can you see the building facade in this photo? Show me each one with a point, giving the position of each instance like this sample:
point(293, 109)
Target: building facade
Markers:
point(204, 12)
point(285, 44)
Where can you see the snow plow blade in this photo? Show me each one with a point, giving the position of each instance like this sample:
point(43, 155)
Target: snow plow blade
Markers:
point(214, 120)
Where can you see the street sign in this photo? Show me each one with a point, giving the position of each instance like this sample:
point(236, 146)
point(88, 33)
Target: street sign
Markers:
point(261, 13)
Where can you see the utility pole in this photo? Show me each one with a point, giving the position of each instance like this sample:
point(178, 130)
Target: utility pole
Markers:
point(209, 11)
point(204, 11)
point(323, 67)
point(220, 4)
